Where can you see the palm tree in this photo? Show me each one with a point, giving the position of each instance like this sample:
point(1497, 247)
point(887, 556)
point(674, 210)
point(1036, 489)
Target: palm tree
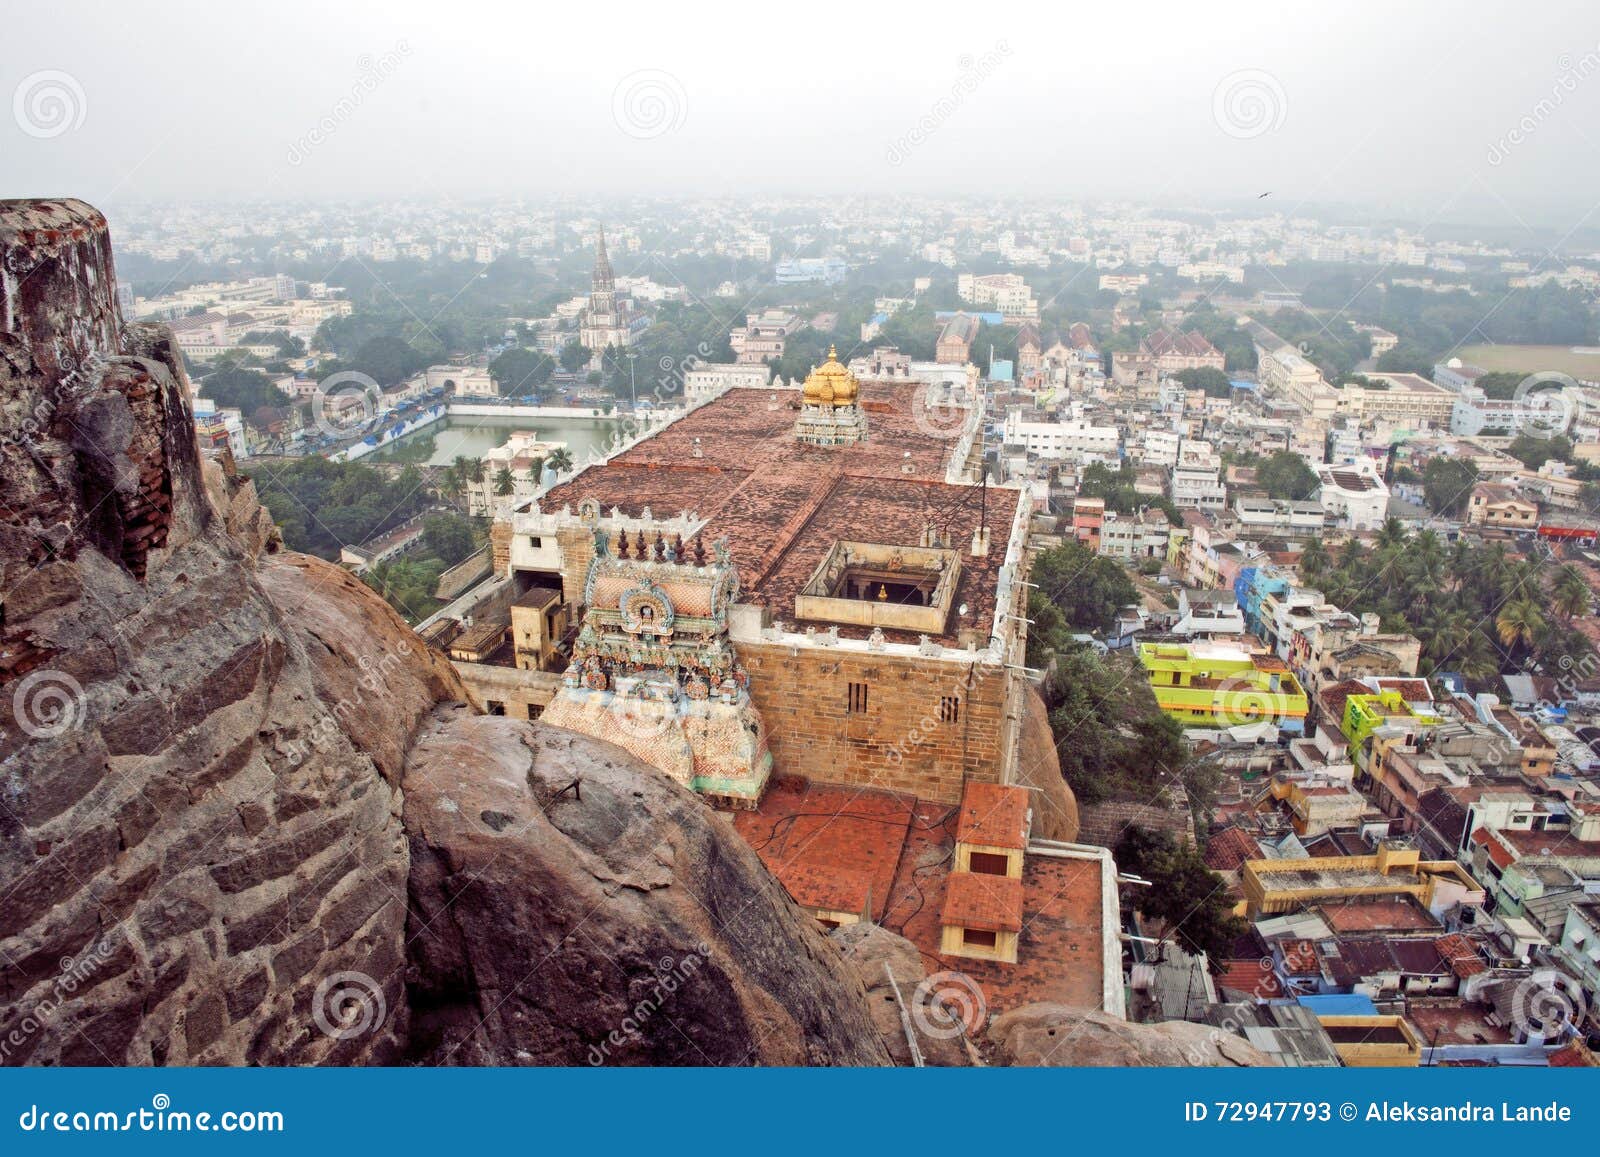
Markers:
point(1569, 597)
point(504, 483)
point(1392, 534)
point(1476, 660)
point(560, 460)
point(1519, 623)
point(1314, 559)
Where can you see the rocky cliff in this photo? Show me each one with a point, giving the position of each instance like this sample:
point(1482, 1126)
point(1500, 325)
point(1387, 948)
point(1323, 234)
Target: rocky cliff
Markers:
point(240, 806)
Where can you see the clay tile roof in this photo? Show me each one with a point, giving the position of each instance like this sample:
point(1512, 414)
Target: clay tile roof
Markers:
point(1255, 979)
point(1460, 955)
point(1228, 850)
point(1499, 855)
point(988, 903)
point(993, 815)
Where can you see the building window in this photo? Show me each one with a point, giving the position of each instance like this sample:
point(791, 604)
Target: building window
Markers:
point(494, 707)
point(950, 709)
point(858, 698)
point(988, 864)
point(535, 710)
point(977, 938)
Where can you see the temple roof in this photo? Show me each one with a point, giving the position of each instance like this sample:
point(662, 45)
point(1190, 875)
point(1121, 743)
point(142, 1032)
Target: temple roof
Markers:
point(782, 503)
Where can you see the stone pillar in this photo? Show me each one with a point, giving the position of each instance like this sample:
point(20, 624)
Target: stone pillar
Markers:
point(58, 286)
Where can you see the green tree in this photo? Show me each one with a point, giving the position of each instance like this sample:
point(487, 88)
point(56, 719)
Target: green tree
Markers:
point(448, 537)
point(1088, 589)
point(520, 372)
point(1447, 485)
point(1213, 381)
point(504, 483)
point(573, 357)
point(1185, 895)
point(1286, 475)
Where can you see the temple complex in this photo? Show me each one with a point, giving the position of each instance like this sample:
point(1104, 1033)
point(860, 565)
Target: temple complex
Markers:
point(804, 605)
point(833, 596)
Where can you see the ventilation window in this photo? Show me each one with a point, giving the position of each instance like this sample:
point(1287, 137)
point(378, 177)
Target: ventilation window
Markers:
point(977, 938)
point(950, 709)
point(858, 698)
point(989, 864)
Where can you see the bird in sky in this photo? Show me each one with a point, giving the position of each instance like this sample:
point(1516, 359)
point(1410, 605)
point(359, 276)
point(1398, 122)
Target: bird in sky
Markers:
point(1268, 193)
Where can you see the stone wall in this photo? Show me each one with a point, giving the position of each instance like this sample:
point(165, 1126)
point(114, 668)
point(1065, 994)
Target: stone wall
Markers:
point(899, 743)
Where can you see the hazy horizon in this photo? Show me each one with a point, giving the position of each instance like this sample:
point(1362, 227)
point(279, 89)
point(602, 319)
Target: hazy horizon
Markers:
point(1434, 114)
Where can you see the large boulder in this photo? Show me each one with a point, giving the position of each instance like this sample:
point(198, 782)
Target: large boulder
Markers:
point(905, 1004)
point(572, 905)
point(1059, 1035)
point(201, 832)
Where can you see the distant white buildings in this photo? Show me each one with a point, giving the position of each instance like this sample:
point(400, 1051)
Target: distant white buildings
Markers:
point(1074, 440)
point(712, 379)
point(1005, 293)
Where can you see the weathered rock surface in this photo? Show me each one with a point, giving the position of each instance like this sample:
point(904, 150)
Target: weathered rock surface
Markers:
point(1058, 1035)
point(572, 906)
point(875, 953)
point(202, 736)
point(1055, 808)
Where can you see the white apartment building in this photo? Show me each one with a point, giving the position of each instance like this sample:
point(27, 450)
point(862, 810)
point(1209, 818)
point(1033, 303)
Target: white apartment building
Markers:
point(1006, 293)
point(1077, 440)
point(1196, 480)
point(1356, 495)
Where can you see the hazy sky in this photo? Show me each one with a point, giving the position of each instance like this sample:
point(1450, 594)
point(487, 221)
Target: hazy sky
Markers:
point(1409, 107)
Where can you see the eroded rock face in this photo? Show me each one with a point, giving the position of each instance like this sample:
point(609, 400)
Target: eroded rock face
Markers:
point(1058, 1035)
point(201, 820)
point(571, 905)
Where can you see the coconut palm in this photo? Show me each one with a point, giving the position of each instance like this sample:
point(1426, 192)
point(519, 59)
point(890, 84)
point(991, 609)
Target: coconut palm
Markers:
point(504, 483)
point(560, 460)
point(1569, 596)
point(1314, 559)
point(1519, 623)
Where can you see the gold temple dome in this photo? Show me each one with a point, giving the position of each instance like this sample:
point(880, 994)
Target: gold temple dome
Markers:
point(831, 384)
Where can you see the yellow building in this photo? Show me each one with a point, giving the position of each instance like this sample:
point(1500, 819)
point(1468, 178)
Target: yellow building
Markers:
point(1217, 685)
point(1368, 1042)
point(1396, 869)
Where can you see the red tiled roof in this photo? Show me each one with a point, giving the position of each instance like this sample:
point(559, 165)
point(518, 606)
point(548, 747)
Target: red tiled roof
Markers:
point(1460, 955)
point(995, 815)
point(782, 503)
point(1228, 850)
point(989, 903)
point(1251, 978)
point(1499, 855)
